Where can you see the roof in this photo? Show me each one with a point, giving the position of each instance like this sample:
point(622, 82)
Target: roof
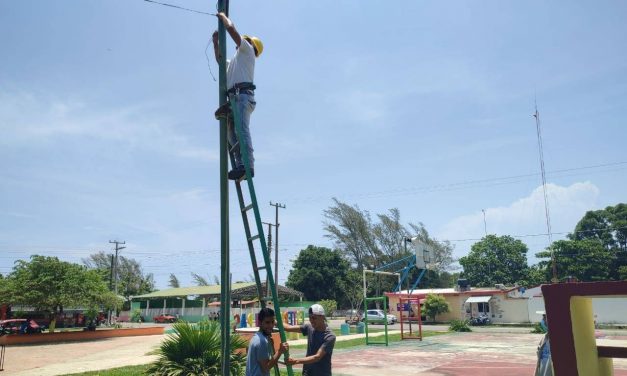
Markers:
point(241, 290)
point(193, 290)
point(449, 291)
point(479, 299)
point(250, 292)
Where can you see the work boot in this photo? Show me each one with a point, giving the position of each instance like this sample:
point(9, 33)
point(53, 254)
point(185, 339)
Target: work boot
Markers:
point(239, 173)
point(224, 111)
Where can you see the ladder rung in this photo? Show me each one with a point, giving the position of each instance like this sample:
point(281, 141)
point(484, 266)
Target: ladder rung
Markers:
point(261, 268)
point(233, 147)
point(247, 208)
point(253, 238)
point(266, 298)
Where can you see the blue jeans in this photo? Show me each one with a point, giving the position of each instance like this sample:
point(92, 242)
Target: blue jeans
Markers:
point(245, 104)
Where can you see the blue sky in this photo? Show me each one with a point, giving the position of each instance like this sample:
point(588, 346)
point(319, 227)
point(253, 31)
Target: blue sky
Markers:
point(107, 129)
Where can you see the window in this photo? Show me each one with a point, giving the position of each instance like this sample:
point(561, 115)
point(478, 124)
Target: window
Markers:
point(483, 307)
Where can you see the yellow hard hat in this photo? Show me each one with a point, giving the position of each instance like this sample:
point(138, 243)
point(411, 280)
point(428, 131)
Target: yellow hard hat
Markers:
point(256, 43)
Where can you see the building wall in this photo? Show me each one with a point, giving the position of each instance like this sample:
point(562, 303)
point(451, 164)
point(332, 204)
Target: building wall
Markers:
point(606, 310)
point(506, 310)
point(535, 304)
point(502, 308)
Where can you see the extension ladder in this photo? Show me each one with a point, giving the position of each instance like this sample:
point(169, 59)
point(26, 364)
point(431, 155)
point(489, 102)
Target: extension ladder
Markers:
point(244, 209)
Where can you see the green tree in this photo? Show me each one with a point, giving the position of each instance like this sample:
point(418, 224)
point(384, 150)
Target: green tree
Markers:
point(353, 289)
point(587, 260)
point(200, 280)
point(174, 282)
point(196, 350)
point(495, 259)
point(537, 275)
point(51, 285)
point(609, 227)
point(352, 230)
point(131, 278)
point(368, 244)
point(320, 273)
point(329, 305)
point(435, 305)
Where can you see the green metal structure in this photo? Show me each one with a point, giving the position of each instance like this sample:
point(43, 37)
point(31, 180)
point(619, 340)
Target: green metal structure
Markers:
point(251, 239)
point(385, 321)
point(225, 272)
point(245, 208)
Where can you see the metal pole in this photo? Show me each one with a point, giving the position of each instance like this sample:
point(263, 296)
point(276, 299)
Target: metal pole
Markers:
point(276, 241)
point(225, 299)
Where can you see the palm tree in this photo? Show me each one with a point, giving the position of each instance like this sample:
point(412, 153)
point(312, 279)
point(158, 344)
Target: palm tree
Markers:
point(195, 350)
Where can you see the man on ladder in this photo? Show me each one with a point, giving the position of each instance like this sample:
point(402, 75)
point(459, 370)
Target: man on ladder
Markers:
point(240, 73)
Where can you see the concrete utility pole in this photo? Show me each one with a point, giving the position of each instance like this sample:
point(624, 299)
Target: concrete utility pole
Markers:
point(115, 263)
point(276, 242)
point(268, 292)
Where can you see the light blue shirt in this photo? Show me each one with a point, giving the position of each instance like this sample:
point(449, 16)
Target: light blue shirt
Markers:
point(257, 350)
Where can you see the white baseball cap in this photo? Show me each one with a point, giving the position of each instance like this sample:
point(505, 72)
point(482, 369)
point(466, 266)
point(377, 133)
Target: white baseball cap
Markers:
point(316, 309)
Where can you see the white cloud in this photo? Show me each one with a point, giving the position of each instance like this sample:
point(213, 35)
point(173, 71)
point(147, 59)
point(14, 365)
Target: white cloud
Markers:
point(526, 216)
point(27, 119)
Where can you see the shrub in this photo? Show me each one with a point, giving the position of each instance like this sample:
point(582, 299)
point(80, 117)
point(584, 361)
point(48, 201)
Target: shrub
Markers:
point(329, 307)
point(196, 350)
point(459, 326)
point(435, 305)
point(136, 315)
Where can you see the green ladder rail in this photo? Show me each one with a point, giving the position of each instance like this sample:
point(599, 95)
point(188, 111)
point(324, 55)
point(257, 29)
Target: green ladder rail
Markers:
point(244, 209)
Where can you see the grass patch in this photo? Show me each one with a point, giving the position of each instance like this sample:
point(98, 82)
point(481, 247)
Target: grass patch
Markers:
point(362, 341)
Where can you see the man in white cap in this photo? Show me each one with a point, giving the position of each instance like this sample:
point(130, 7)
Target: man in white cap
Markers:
point(320, 342)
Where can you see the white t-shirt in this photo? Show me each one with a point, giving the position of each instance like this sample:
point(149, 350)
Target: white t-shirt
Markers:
point(242, 67)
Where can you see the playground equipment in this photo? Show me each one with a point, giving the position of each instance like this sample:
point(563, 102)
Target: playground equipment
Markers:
point(410, 314)
point(421, 260)
point(571, 328)
point(385, 322)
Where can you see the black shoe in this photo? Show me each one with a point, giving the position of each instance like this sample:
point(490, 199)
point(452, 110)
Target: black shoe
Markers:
point(240, 173)
point(224, 111)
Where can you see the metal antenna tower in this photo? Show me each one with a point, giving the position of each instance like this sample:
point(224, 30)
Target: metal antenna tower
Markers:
point(547, 214)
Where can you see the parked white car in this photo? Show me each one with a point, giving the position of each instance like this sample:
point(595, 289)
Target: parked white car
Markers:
point(377, 316)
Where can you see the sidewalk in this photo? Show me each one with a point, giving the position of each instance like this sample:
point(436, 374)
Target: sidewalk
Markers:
point(451, 354)
point(338, 338)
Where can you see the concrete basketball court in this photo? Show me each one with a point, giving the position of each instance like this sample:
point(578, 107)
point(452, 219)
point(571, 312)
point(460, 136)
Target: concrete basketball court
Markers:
point(475, 354)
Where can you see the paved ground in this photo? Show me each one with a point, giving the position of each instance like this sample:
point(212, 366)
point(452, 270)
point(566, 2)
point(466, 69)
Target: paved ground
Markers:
point(484, 353)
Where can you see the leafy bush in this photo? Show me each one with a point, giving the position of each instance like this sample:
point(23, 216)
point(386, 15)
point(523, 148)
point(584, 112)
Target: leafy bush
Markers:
point(136, 315)
point(434, 305)
point(196, 350)
point(459, 326)
point(329, 307)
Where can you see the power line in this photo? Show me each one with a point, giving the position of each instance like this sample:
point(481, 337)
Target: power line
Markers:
point(468, 183)
point(182, 8)
point(543, 234)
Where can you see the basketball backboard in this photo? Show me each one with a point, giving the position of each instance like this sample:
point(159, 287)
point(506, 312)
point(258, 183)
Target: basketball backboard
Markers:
point(424, 253)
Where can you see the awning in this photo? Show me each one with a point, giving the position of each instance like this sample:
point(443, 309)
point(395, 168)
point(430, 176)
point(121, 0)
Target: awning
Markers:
point(478, 299)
